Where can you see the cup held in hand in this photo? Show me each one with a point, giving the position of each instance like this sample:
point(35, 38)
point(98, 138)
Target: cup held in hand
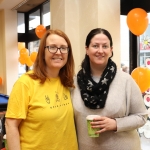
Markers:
point(5, 142)
point(91, 131)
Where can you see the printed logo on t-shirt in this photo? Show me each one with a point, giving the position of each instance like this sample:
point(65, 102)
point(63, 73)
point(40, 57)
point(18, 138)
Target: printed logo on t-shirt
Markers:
point(61, 101)
point(61, 105)
point(47, 99)
point(65, 96)
point(57, 97)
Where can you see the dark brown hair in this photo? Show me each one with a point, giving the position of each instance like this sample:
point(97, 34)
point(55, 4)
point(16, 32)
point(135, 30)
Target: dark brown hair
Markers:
point(39, 69)
point(96, 31)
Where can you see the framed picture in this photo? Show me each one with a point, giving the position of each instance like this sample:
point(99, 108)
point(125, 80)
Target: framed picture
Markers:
point(145, 46)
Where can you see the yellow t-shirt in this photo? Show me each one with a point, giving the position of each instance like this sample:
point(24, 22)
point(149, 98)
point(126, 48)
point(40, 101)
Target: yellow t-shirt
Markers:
point(47, 113)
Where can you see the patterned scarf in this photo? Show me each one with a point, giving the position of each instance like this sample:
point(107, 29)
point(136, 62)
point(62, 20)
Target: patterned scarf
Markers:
point(95, 94)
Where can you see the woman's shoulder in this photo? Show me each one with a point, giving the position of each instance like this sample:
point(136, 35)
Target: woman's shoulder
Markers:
point(75, 79)
point(123, 74)
point(25, 75)
point(25, 78)
point(125, 78)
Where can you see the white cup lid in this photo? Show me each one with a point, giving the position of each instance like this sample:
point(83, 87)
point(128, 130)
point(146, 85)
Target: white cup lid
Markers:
point(91, 117)
point(4, 137)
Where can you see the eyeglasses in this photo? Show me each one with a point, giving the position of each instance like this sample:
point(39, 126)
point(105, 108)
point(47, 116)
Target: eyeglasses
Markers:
point(54, 49)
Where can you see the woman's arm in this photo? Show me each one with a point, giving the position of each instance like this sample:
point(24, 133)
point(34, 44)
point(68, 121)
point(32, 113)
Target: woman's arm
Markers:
point(136, 112)
point(12, 133)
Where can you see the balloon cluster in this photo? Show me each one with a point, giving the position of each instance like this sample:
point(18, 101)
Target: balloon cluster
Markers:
point(24, 57)
point(137, 21)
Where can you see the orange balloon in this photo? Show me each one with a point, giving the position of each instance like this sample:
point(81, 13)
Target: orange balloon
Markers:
point(141, 76)
point(21, 60)
point(21, 45)
point(40, 30)
point(24, 53)
point(33, 56)
point(137, 21)
point(0, 81)
point(29, 63)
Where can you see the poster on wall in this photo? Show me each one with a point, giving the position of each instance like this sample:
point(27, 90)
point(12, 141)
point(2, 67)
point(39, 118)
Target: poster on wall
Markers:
point(145, 39)
point(145, 47)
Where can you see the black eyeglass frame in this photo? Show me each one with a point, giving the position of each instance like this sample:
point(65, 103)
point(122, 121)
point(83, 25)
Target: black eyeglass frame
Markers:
point(48, 47)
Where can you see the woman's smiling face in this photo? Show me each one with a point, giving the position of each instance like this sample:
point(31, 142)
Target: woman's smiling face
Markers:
point(99, 50)
point(55, 60)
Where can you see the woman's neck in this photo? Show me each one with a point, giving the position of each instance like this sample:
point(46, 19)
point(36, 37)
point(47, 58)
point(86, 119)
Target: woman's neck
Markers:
point(52, 73)
point(97, 71)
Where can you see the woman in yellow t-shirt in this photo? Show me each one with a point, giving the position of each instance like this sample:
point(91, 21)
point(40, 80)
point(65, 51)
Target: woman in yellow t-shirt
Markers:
point(39, 114)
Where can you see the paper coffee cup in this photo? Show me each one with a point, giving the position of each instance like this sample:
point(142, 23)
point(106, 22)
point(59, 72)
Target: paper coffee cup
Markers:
point(91, 131)
point(5, 142)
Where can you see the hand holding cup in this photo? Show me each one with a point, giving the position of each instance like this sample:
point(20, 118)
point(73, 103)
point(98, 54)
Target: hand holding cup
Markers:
point(92, 131)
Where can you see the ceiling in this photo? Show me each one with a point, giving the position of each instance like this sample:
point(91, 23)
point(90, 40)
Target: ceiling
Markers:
point(20, 5)
point(5, 4)
point(125, 5)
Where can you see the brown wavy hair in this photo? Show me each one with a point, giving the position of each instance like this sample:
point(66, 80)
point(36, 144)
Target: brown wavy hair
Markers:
point(39, 69)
